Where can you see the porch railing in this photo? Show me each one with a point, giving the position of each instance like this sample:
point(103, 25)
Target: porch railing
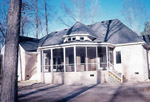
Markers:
point(113, 73)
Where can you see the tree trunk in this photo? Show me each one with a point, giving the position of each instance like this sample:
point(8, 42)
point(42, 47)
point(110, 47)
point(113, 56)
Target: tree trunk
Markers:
point(46, 20)
point(36, 18)
point(9, 81)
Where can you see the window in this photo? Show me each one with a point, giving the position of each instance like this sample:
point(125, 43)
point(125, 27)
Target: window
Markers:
point(58, 60)
point(91, 58)
point(69, 59)
point(102, 54)
point(69, 39)
point(46, 60)
point(82, 57)
point(111, 56)
point(118, 57)
point(81, 38)
point(73, 39)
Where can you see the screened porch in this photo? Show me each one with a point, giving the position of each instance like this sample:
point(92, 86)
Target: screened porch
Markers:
point(77, 59)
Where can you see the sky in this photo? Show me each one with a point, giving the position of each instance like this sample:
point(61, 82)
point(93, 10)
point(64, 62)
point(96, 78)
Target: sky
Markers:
point(108, 9)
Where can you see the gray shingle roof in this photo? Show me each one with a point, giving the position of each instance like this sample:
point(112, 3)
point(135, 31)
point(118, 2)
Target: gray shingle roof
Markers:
point(79, 28)
point(146, 38)
point(115, 32)
point(29, 44)
point(111, 31)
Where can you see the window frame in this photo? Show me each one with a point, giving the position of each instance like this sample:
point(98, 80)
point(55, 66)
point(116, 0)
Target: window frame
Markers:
point(118, 57)
point(74, 38)
point(82, 38)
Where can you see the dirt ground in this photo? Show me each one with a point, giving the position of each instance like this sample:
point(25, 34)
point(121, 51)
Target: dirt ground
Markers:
point(38, 92)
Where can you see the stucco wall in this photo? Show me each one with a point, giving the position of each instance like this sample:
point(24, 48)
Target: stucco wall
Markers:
point(30, 65)
point(21, 64)
point(133, 62)
point(76, 78)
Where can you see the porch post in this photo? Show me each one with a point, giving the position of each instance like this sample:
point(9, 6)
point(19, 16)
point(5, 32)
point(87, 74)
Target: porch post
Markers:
point(96, 58)
point(86, 58)
point(52, 65)
point(75, 66)
point(107, 55)
point(42, 67)
point(64, 49)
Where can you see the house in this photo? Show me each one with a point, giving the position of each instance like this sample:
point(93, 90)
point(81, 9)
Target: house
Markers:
point(104, 52)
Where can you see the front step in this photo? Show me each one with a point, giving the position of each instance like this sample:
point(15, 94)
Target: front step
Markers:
point(115, 75)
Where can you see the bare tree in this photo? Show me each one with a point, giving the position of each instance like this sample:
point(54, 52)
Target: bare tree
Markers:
point(46, 20)
point(3, 20)
point(94, 10)
point(36, 18)
point(9, 81)
point(27, 10)
point(134, 13)
point(80, 10)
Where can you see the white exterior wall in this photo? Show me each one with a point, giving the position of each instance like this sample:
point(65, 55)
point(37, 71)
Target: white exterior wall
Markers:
point(76, 78)
point(21, 64)
point(2, 55)
point(133, 60)
point(38, 75)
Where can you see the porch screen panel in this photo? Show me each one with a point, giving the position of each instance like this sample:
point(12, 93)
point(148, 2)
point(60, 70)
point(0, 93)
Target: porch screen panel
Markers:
point(47, 60)
point(102, 57)
point(91, 58)
point(81, 59)
point(58, 60)
point(69, 59)
point(110, 58)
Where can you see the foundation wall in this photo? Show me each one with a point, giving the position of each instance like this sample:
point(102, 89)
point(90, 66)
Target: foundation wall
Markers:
point(76, 78)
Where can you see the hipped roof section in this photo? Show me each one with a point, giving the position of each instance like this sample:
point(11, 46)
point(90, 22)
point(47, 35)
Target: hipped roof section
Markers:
point(110, 31)
point(29, 44)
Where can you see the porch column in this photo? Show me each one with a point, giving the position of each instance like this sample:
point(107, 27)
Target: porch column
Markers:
point(96, 58)
point(107, 56)
point(51, 60)
point(75, 66)
point(42, 66)
point(52, 65)
point(86, 58)
point(64, 52)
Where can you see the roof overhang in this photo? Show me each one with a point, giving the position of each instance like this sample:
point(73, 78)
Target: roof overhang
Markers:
point(84, 44)
point(127, 44)
point(72, 35)
point(146, 46)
